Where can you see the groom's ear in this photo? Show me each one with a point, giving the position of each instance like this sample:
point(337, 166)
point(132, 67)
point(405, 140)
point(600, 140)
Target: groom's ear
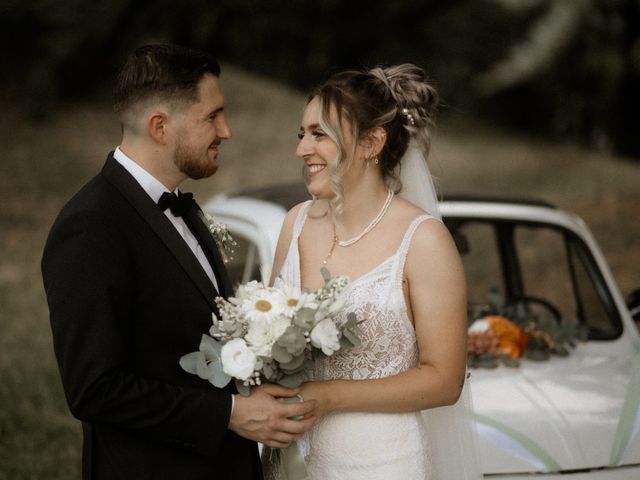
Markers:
point(157, 123)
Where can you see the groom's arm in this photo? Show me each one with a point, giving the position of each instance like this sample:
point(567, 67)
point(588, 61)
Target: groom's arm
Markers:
point(88, 277)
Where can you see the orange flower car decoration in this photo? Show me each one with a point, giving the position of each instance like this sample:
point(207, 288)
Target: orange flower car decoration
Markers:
point(512, 340)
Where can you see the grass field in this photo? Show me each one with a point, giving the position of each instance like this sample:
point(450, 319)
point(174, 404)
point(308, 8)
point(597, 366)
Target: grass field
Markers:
point(44, 164)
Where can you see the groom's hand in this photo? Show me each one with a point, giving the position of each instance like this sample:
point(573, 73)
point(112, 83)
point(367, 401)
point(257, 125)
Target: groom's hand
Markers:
point(263, 418)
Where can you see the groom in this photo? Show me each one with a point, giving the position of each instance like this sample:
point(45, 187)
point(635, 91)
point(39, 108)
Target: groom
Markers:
point(131, 287)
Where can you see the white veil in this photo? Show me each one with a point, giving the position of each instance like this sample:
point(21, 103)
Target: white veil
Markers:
point(417, 182)
point(450, 430)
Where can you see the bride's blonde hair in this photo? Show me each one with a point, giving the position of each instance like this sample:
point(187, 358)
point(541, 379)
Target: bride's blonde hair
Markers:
point(398, 99)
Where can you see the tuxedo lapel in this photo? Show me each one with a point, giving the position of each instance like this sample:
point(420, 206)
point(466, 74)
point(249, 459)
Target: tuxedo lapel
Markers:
point(195, 218)
point(118, 176)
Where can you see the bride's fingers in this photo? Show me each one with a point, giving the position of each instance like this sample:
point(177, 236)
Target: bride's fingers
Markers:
point(299, 409)
point(278, 390)
point(296, 427)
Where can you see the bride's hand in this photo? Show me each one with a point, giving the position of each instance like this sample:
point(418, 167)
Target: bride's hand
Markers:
point(319, 392)
point(263, 418)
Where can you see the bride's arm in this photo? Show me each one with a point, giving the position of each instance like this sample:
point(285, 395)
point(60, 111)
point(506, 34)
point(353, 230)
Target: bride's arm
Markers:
point(437, 298)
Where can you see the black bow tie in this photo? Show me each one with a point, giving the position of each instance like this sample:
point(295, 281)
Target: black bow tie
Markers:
point(178, 204)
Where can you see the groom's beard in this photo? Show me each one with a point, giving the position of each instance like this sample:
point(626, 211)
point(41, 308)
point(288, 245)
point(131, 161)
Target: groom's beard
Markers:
point(193, 164)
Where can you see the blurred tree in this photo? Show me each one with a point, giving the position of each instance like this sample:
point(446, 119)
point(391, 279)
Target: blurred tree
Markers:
point(50, 41)
point(65, 48)
point(568, 68)
point(574, 73)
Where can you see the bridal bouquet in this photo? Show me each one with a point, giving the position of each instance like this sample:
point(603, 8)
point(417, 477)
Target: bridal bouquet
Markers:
point(273, 334)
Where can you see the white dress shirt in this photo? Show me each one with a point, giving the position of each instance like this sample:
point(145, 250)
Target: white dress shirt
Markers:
point(155, 189)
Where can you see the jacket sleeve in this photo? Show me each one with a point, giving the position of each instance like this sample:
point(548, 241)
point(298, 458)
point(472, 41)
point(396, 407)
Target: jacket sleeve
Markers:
point(88, 278)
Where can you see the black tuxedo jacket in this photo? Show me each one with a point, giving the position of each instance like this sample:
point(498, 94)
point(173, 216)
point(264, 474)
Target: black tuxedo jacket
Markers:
point(127, 299)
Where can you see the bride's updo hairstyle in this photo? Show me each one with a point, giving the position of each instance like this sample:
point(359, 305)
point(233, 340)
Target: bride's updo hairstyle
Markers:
point(398, 99)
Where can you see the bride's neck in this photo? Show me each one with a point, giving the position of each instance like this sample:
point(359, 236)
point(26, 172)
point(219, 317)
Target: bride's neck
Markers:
point(361, 204)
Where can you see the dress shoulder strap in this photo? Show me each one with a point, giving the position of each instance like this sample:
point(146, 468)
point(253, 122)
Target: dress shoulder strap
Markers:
point(290, 270)
point(300, 219)
point(406, 243)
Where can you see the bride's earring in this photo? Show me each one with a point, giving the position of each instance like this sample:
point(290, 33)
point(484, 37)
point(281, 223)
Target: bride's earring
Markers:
point(371, 158)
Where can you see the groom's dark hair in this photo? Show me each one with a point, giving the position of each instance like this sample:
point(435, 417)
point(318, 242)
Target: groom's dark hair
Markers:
point(165, 72)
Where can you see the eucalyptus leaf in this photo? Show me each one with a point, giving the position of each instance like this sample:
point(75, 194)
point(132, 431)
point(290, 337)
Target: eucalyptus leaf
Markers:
point(305, 318)
point(308, 364)
point(352, 320)
point(210, 347)
point(189, 362)
point(268, 371)
point(293, 380)
point(243, 389)
point(294, 364)
point(352, 337)
point(325, 274)
point(293, 340)
point(280, 354)
point(203, 369)
point(218, 378)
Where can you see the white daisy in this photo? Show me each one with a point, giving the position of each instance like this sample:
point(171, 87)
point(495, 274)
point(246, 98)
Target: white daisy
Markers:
point(296, 299)
point(264, 305)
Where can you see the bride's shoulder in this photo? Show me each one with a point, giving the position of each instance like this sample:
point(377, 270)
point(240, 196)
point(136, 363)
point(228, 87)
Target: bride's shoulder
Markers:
point(408, 209)
point(294, 213)
point(429, 233)
point(295, 210)
point(432, 240)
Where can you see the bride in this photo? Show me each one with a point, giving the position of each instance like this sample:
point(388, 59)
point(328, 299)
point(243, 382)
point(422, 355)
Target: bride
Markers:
point(363, 139)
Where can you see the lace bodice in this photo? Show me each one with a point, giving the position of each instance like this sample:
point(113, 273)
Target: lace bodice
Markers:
point(388, 338)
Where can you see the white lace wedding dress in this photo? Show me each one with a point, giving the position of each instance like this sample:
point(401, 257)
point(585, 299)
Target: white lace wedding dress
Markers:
point(366, 445)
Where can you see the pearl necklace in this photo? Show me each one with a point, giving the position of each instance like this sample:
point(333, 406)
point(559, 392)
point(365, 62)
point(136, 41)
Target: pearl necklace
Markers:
point(371, 226)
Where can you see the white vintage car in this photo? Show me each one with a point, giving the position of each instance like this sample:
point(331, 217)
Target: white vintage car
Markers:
point(570, 417)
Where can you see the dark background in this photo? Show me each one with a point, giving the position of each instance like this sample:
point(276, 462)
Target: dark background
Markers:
point(567, 69)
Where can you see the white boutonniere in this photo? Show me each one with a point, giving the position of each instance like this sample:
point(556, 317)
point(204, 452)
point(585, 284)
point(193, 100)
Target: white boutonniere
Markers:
point(225, 242)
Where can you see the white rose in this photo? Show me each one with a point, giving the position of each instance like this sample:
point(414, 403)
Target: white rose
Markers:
point(326, 336)
point(238, 360)
point(263, 334)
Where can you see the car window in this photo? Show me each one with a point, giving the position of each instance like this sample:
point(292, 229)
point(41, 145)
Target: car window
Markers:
point(545, 269)
point(536, 270)
point(597, 309)
point(477, 245)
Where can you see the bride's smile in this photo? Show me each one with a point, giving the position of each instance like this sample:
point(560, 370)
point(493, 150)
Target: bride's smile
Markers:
point(315, 168)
